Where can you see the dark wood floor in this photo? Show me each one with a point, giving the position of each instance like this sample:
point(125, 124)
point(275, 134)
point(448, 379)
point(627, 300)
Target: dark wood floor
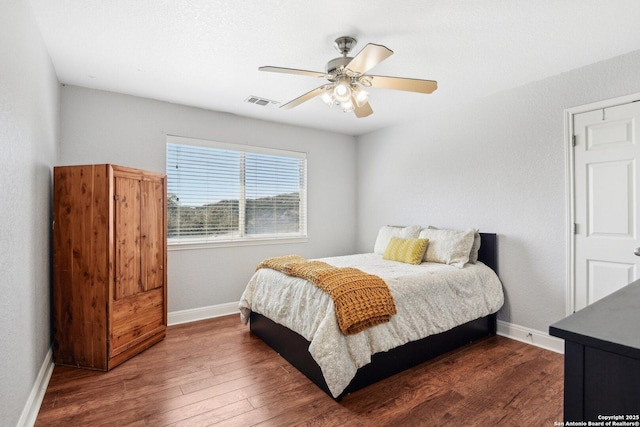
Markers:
point(214, 372)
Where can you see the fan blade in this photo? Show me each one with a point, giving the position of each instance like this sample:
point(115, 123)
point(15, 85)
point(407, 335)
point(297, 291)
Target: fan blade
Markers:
point(363, 111)
point(307, 96)
point(370, 56)
point(292, 71)
point(401, 83)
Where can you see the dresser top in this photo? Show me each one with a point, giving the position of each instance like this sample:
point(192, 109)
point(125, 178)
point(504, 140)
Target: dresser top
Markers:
point(611, 324)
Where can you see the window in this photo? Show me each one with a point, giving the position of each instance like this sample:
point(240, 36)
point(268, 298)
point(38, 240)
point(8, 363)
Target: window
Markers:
point(220, 192)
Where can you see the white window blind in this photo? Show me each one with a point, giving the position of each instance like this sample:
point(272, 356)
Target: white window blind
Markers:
point(221, 192)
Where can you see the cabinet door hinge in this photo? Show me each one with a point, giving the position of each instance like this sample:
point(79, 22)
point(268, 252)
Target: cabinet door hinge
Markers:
point(575, 228)
point(573, 141)
point(116, 197)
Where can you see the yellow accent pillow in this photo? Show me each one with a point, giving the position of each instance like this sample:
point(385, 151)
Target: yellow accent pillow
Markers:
point(410, 251)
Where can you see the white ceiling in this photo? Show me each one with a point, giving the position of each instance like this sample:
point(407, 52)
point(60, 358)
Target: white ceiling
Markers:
point(206, 53)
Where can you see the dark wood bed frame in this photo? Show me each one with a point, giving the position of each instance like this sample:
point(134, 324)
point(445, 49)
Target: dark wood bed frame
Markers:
point(294, 348)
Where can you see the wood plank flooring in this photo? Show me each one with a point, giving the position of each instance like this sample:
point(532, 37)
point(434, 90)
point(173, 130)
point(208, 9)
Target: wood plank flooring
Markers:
point(215, 372)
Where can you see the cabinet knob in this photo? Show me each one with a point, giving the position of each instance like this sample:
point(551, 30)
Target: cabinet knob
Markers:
point(636, 251)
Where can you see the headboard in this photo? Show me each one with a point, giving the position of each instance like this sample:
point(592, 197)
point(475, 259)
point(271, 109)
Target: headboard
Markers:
point(488, 252)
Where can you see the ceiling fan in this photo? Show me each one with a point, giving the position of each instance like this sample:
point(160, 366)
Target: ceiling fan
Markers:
point(347, 78)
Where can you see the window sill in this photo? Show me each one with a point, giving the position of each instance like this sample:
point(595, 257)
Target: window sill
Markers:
point(234, 243)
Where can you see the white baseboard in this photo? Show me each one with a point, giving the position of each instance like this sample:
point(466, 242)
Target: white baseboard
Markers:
point(32, 407)
point(530, 336)
point(202, 313)
point(505, 329)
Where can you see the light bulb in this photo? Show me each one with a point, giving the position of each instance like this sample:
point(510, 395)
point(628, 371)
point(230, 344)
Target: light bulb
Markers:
point(342, 91)
point(361, 96)
point(347, 106)
point(327, 98)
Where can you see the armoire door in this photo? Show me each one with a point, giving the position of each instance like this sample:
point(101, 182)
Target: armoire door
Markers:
point(152, 234)
point(127, 235)
point(139, 249)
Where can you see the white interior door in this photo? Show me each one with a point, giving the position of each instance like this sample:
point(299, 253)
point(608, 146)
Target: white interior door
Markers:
point(606, 156)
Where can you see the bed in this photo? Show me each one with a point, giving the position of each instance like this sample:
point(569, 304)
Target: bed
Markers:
point(340, 364)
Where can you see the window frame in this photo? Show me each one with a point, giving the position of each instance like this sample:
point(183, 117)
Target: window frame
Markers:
point(243, 239)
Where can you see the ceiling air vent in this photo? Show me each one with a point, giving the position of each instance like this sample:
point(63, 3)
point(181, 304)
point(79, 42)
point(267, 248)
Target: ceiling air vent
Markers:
point(261, 101)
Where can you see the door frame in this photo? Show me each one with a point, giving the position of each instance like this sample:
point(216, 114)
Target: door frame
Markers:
point(570, 185)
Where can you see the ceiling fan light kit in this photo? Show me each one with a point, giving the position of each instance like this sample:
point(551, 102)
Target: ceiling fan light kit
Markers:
point(346, 76)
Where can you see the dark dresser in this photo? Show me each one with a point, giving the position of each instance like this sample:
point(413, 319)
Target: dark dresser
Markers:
point(602, 358)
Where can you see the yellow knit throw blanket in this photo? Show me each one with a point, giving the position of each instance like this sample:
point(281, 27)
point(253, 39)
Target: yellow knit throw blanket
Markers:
point(361, 300)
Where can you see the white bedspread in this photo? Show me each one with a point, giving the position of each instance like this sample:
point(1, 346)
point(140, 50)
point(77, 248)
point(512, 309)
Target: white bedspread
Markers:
point(430, 298)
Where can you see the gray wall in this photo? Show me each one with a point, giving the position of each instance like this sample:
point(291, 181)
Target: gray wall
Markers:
point(498, 164)
point(104, 127)
point(29, 118)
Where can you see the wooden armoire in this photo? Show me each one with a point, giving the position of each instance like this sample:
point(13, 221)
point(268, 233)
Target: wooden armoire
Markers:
point(109, 258)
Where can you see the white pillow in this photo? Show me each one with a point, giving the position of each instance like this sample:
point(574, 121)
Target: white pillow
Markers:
point(473, 255)
point(448, 246)
point(388, 231)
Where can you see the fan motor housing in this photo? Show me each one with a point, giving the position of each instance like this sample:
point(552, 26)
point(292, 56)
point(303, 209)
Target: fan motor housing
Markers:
point(336, 63)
